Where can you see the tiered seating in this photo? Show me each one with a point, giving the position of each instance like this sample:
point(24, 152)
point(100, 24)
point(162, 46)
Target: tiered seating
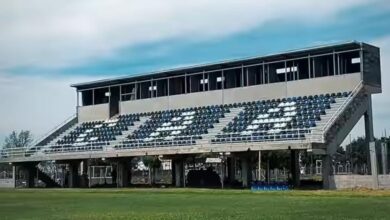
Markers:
point(175, 127)
point(264, 120)
point(94, 135)
point(277, 119)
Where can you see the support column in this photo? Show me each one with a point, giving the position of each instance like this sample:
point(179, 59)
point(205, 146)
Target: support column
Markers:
point(246, 171)
point(374, 166)
point(73, 174)
point(259, 167)
point(369, 130)
point(384, 158)
point(368, 125)
point(294, 168)
point(326, 171)
point(123, 177)
point(30, 175)
point(84, 179)
point(14, 176)
point(178, 173)
point(231, 165)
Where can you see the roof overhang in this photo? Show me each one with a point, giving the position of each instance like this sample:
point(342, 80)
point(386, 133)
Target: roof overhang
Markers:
point(222, 64)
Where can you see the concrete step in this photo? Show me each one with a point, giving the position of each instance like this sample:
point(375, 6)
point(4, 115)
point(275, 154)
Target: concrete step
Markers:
point(130, 131)
point(63, 134)
point(223, 122)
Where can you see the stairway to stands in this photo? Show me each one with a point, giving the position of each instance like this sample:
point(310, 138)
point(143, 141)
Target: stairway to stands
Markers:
point(130, 130)
point(347, 119)
point(63, 134)
point(317, 133)
point(50, 183)
point(219, 126)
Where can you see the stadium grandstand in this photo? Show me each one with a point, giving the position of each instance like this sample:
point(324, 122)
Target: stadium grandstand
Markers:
point(304, 100)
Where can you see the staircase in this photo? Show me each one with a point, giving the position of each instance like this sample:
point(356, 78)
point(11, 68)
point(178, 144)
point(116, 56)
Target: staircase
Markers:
point(223, 122)
point(316, 134)
point(342, 110)
point(130, 130)
point(55, 132)
point(348, 119)
point(63, 134)
point(50, 183)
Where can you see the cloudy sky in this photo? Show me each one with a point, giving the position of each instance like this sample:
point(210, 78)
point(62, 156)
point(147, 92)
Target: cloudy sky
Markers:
point(46, 45)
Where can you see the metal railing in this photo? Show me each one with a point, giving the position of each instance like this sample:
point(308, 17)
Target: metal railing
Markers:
point(341, 109)
point(296, 135)
point(236, 137)
point(50, 132)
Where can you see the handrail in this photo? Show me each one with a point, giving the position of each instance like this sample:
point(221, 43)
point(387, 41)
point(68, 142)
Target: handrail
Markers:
point(47, 134)
point(341, 108)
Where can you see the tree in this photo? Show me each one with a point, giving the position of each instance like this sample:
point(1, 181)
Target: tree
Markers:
point(18, 140)
point(15, 142)
point(153, 163)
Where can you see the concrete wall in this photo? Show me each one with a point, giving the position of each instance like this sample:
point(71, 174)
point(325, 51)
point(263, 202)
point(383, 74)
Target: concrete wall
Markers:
point(358, 181)
point(7, 183)
point(252, 93)
point(93, 112)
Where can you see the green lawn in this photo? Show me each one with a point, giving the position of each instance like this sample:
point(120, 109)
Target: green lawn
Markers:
point(192, 204)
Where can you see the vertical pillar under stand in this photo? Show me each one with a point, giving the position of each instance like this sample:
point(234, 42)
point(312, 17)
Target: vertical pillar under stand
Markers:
point(385, 164)
point(246, 171)
point(326, 171)
point(73, 174)
point(123, 177)
point(178, 173)
point(295, 172)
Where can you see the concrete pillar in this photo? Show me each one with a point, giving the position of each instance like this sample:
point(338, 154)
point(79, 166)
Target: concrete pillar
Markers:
point(294, 168)
point(369, 127)
point(123, 175)
point(14, 176)
point(84, 178)
point(259, 166)
point(246, 171)
point(385, 164)
point(326, 171)
point(178, 173)
point(374, 166)
point(30, 173)
point(231, 166)
point(84, 167)
point(73, 174)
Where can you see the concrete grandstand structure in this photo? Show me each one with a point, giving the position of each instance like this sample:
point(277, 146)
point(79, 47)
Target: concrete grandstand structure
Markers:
point(301, 100)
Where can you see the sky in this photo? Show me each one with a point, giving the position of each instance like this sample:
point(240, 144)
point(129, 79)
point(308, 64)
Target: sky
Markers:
point(47, 45)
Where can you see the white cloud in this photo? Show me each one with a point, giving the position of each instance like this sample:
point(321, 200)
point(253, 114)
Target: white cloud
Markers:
point(35, 103)
point(62, 33)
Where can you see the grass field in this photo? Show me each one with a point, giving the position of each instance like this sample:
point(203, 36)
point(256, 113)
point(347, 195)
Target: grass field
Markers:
point(192, 204)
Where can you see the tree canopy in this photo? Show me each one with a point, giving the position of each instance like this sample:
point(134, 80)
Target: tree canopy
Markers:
point(16, 139)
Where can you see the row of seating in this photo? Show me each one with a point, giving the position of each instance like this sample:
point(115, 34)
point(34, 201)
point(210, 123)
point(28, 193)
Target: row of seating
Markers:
point(182, 126)
point(290, 118)
point(99, 131)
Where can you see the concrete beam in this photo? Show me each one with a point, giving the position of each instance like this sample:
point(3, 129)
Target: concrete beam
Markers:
point(181, 150)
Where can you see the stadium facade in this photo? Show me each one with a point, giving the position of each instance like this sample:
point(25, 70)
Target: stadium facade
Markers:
point(302, 100)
